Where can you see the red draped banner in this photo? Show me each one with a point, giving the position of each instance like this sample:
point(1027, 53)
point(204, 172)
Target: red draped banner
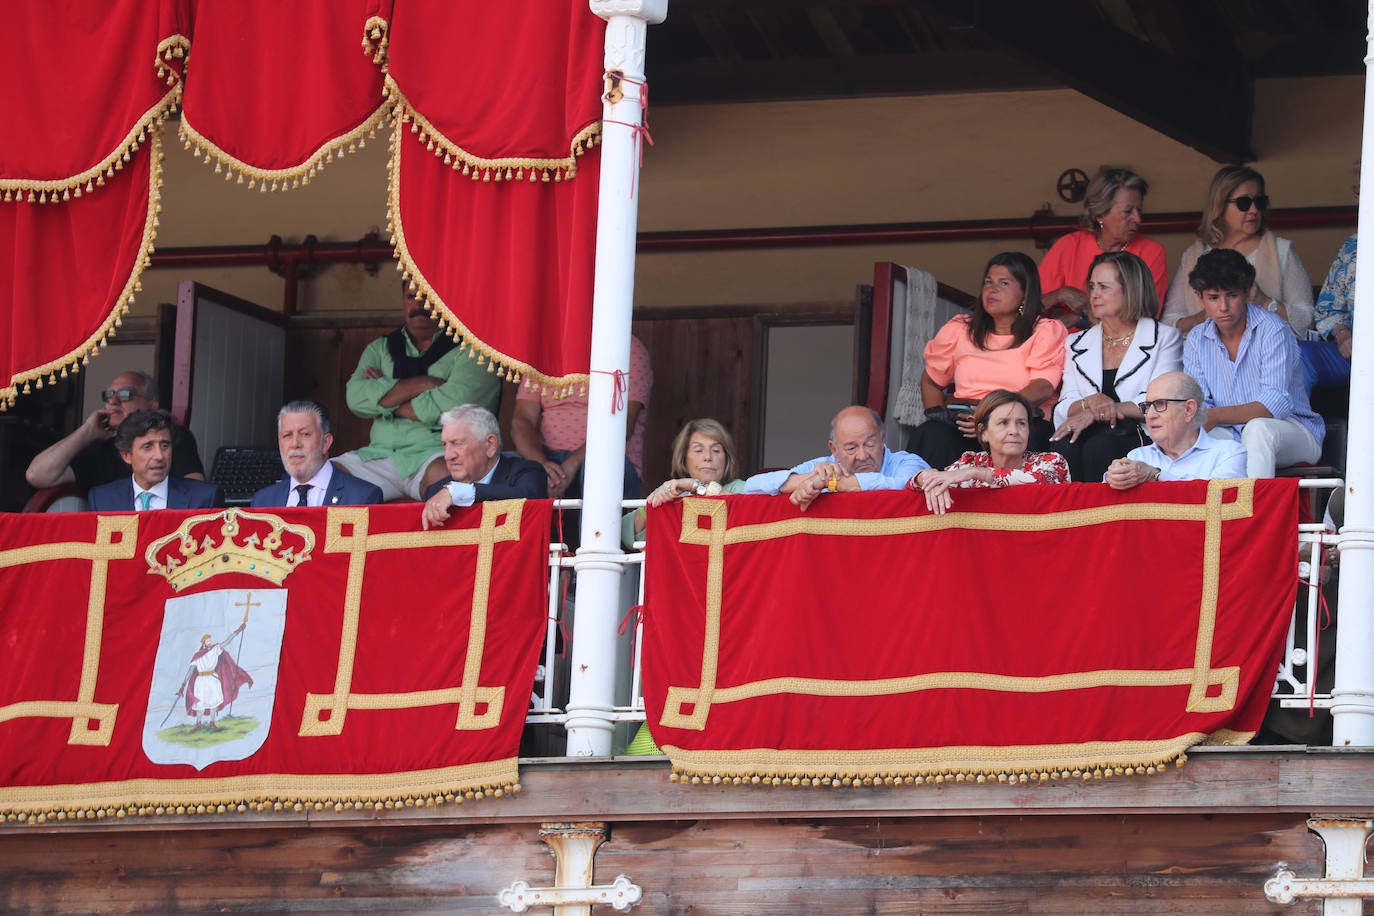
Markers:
point(493, 194)
point(1032, 633)
point(182, 662)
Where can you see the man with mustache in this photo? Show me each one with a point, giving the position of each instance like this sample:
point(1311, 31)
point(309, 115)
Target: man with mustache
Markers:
point(859, 460)
point(304, 440)
point(145, 443)
point(403, 382)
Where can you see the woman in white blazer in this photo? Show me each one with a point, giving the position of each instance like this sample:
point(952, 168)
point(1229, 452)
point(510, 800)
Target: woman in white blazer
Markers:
point(1108, 367)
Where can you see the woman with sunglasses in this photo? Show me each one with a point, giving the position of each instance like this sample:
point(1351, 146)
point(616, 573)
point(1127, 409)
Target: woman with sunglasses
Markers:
point(1234, 219)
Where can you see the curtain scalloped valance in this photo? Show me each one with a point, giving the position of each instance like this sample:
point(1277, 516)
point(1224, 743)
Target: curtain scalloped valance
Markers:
point(279, 89)
point(493, 165)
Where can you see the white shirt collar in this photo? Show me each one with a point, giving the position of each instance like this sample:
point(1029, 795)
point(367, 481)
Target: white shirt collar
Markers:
point(159, 491)
point(319, 485)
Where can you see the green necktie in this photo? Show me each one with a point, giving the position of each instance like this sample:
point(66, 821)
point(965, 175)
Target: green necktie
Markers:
point(145, 501)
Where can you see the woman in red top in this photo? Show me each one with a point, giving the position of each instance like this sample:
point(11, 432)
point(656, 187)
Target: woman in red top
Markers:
point(1111, 222)
point(1003, 424)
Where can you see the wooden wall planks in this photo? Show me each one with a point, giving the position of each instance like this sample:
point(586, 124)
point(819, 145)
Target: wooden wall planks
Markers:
point(1210, 864)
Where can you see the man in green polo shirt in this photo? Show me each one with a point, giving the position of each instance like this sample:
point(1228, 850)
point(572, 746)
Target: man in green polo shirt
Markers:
point(403, 382)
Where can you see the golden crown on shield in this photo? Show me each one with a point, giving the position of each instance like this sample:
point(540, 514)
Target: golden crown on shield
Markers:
point(232, 541)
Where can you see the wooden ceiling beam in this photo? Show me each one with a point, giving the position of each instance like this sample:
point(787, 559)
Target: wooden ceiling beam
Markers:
point(1206, 103)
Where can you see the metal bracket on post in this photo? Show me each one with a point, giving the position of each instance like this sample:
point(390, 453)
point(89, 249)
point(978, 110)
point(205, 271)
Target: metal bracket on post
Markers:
point(1344, 885)
point(574, 847)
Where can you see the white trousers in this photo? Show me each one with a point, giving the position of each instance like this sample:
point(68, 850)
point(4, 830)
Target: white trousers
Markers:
point(1271, 444)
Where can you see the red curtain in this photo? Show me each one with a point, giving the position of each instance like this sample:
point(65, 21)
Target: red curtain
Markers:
point(278, 89)
point(1092, 633)
point(79, 175)
point(376, 664)
point(494, 175)
point(494, 225)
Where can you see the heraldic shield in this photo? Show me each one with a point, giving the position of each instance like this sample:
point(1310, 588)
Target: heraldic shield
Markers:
point(215, 677)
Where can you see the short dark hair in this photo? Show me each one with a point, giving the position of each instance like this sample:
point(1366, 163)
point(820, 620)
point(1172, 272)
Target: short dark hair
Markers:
point(303, 406)
point(1220, 268)
point(138, 424)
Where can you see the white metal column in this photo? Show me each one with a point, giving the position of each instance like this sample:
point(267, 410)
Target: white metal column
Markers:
point(1353, 695)
point(592, 688)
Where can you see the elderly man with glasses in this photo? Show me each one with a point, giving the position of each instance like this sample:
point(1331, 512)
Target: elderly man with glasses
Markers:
point(1174, 416)
point(88, 457)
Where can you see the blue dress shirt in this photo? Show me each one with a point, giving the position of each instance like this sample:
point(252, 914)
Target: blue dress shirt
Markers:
point(1266, 369)
point(896, 470)
point(1207, 459)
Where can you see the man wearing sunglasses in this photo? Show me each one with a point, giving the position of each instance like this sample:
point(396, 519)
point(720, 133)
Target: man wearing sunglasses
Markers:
point(1174, 416)
point(88, 456)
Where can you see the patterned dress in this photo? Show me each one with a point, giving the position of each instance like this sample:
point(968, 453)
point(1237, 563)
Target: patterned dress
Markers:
point(1036, 467)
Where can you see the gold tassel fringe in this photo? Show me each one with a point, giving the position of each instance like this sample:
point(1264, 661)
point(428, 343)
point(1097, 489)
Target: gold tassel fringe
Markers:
point(287, 178)
point(510, 168)
point(43, 191)
point(73, 361)
point(504, 366)
point(298, 804)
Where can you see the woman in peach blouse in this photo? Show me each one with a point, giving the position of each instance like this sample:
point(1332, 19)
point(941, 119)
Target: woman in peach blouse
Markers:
point(1005, 343)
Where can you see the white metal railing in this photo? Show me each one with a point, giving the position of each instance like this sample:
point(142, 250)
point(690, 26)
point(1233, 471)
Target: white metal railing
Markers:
point(1295, 686)
point(550, 684)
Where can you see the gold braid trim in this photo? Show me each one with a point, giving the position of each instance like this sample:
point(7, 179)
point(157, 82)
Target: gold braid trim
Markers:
point(37, 805)
point(81, 356)
point(294, 176)
point(937, 766)
point(503, 365)
point(510, 168)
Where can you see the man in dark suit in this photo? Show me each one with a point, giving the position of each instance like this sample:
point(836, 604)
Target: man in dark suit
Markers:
point(144, 441)
point(311, 480)
point(478, 469)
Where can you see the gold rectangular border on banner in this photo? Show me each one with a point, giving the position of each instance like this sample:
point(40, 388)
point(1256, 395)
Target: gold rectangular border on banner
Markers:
point(716, 535)
point(116, 538)
point(347, 532)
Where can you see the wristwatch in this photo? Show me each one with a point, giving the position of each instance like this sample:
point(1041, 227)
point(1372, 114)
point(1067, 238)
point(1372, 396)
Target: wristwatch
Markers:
point(1273, 306)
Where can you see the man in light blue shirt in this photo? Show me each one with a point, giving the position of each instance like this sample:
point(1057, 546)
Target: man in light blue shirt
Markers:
point(859, 460)
point(1246, 360)
point(1174, 415)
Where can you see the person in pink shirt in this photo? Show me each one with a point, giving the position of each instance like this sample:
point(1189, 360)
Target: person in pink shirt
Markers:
point(1006, 342)
point(553, 430)
point(1111, 222)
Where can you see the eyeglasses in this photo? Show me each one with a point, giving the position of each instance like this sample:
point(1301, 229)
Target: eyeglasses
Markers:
point(1245, 201)
point(122, 394)
point(1160, 404)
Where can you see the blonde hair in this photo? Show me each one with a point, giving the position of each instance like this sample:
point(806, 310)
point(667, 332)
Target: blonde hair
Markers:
point(1212, 229)
point(1137, 283)
point(1097, 200)
point(713, 430)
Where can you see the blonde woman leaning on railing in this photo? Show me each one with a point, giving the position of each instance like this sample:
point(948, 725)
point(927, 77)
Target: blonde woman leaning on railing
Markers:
point(703, 463)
